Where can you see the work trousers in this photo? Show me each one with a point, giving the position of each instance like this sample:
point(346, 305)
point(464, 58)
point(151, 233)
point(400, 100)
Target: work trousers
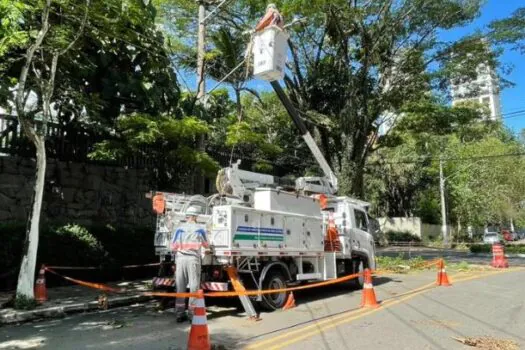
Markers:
point(187, 273)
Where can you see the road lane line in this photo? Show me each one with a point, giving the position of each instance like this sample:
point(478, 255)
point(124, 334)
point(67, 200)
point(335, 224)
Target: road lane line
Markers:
point(319, 327)
point(330, 319)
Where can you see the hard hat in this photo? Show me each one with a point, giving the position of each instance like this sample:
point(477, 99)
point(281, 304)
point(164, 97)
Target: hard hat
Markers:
point(192, 211)
point(271, 6)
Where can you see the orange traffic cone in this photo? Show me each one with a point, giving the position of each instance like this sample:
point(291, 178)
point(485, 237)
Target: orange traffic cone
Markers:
point(442, 278)
point(290, 303)
point(199, 337)
point(40, 286)
point(498, 256)
point(369, 295)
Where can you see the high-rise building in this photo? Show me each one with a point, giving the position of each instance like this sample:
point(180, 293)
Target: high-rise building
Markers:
point(484, 89)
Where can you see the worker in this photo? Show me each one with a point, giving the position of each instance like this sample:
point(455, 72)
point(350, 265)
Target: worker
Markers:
point(272, 17)
point(190, 244)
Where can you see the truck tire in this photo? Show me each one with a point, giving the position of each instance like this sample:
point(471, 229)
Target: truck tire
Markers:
point(274, 280)
point(359, 267)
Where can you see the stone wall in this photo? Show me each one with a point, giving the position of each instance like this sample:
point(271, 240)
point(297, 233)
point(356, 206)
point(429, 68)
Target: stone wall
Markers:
point(76, 192)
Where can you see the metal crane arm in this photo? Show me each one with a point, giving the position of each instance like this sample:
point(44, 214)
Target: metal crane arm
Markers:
point(329, 174)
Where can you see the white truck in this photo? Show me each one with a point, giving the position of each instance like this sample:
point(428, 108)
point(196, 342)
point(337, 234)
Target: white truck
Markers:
point(273, 233)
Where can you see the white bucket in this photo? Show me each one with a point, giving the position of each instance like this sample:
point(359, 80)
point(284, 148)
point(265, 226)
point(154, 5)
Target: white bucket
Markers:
point(269, 53)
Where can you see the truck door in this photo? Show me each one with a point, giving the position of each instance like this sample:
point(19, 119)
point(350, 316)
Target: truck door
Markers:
point(364, 241)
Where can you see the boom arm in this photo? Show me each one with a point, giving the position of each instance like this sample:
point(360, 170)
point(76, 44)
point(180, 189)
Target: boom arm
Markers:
point(329, 174)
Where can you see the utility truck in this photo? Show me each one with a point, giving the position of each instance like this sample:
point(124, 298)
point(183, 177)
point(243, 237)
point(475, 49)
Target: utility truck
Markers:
point(266, 233)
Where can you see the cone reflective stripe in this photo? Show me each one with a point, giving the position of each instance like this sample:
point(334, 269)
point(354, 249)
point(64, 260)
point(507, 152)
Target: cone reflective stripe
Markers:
point(290, 303)
point(199, 338)
point(369, 295)
point(442, 278)
point(40, 286)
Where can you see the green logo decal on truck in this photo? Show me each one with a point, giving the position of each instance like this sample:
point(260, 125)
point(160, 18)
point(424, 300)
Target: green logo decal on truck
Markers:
point(247, 233)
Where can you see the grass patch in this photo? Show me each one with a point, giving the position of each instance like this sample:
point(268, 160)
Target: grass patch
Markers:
point(401, 265)
point(23, 302)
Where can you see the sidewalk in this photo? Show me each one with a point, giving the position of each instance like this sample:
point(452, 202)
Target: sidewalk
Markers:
point(73, 299)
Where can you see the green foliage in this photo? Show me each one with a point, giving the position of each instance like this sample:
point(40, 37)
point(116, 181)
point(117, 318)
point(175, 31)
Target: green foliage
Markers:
point(480, 248)
point(11, 21)
point(402, 236)
point(77, 245)
point(74, 243)
point(400, 264)
point(487, 248)
point(22, 302)
point(169, 142)
point(510, 31)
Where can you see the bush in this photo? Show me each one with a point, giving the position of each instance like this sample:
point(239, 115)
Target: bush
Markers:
point(481, 248)
point(75, 245)
point(70, 245)
point(24, 303)
point(402, 236)
point(487, 248)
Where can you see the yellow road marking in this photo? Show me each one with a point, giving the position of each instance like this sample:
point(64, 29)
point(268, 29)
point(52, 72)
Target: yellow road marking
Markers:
point(319, 327)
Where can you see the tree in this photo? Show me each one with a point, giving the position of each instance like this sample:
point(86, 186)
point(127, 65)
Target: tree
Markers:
point(352, 62)
point(486, 179)
point(86, 69)
point(40, 64)
point(168, 141)
point(510, 31)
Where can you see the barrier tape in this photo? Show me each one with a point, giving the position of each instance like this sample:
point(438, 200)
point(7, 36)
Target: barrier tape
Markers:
point(99, 267)
point(99, 286)
point(281, 290)
point(107, 288)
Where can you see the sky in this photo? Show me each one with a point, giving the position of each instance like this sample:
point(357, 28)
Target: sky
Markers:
point(512, 98)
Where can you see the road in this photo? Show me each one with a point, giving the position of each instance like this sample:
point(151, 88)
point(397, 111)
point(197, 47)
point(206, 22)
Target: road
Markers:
point(413, 315)
point(450, 255)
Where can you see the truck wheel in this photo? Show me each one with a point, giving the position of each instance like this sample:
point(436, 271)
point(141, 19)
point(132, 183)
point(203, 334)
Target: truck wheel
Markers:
point(274, 280)
point(359, 267)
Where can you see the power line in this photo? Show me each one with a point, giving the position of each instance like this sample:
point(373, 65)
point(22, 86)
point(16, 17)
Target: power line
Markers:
point(434, 158)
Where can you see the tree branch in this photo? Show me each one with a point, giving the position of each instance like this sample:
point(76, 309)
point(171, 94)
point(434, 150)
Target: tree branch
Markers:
point(80, 31)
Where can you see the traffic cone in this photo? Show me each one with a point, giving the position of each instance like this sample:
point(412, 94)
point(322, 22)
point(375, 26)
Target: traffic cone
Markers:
point(199, 337)
point(40, 286)
point(498, 256)
point(369, 295)
point(442, 278)
point(290, 303)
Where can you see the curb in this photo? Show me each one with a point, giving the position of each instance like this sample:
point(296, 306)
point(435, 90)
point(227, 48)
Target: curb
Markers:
point(11, 316)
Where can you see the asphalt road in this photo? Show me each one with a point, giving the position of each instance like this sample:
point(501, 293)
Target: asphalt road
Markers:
point(414, 315)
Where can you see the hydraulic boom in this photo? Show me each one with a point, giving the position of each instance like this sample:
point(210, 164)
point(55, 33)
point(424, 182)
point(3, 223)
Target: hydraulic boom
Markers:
point(329, 174)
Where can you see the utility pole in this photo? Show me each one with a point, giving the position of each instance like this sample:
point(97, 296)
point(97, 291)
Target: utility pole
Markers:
point(201, 79)
point(443, 207)
point(199, 180)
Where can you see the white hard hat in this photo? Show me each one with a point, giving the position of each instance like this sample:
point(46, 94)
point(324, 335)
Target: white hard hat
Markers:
point(271, 6)
point(192, 211)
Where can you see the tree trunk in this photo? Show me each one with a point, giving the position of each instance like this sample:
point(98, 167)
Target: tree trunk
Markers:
point(238, 103)
point(26, 277)
point(358, 189)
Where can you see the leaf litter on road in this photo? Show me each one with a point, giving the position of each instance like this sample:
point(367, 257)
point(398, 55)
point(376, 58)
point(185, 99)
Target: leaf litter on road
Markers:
point(488, 343)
